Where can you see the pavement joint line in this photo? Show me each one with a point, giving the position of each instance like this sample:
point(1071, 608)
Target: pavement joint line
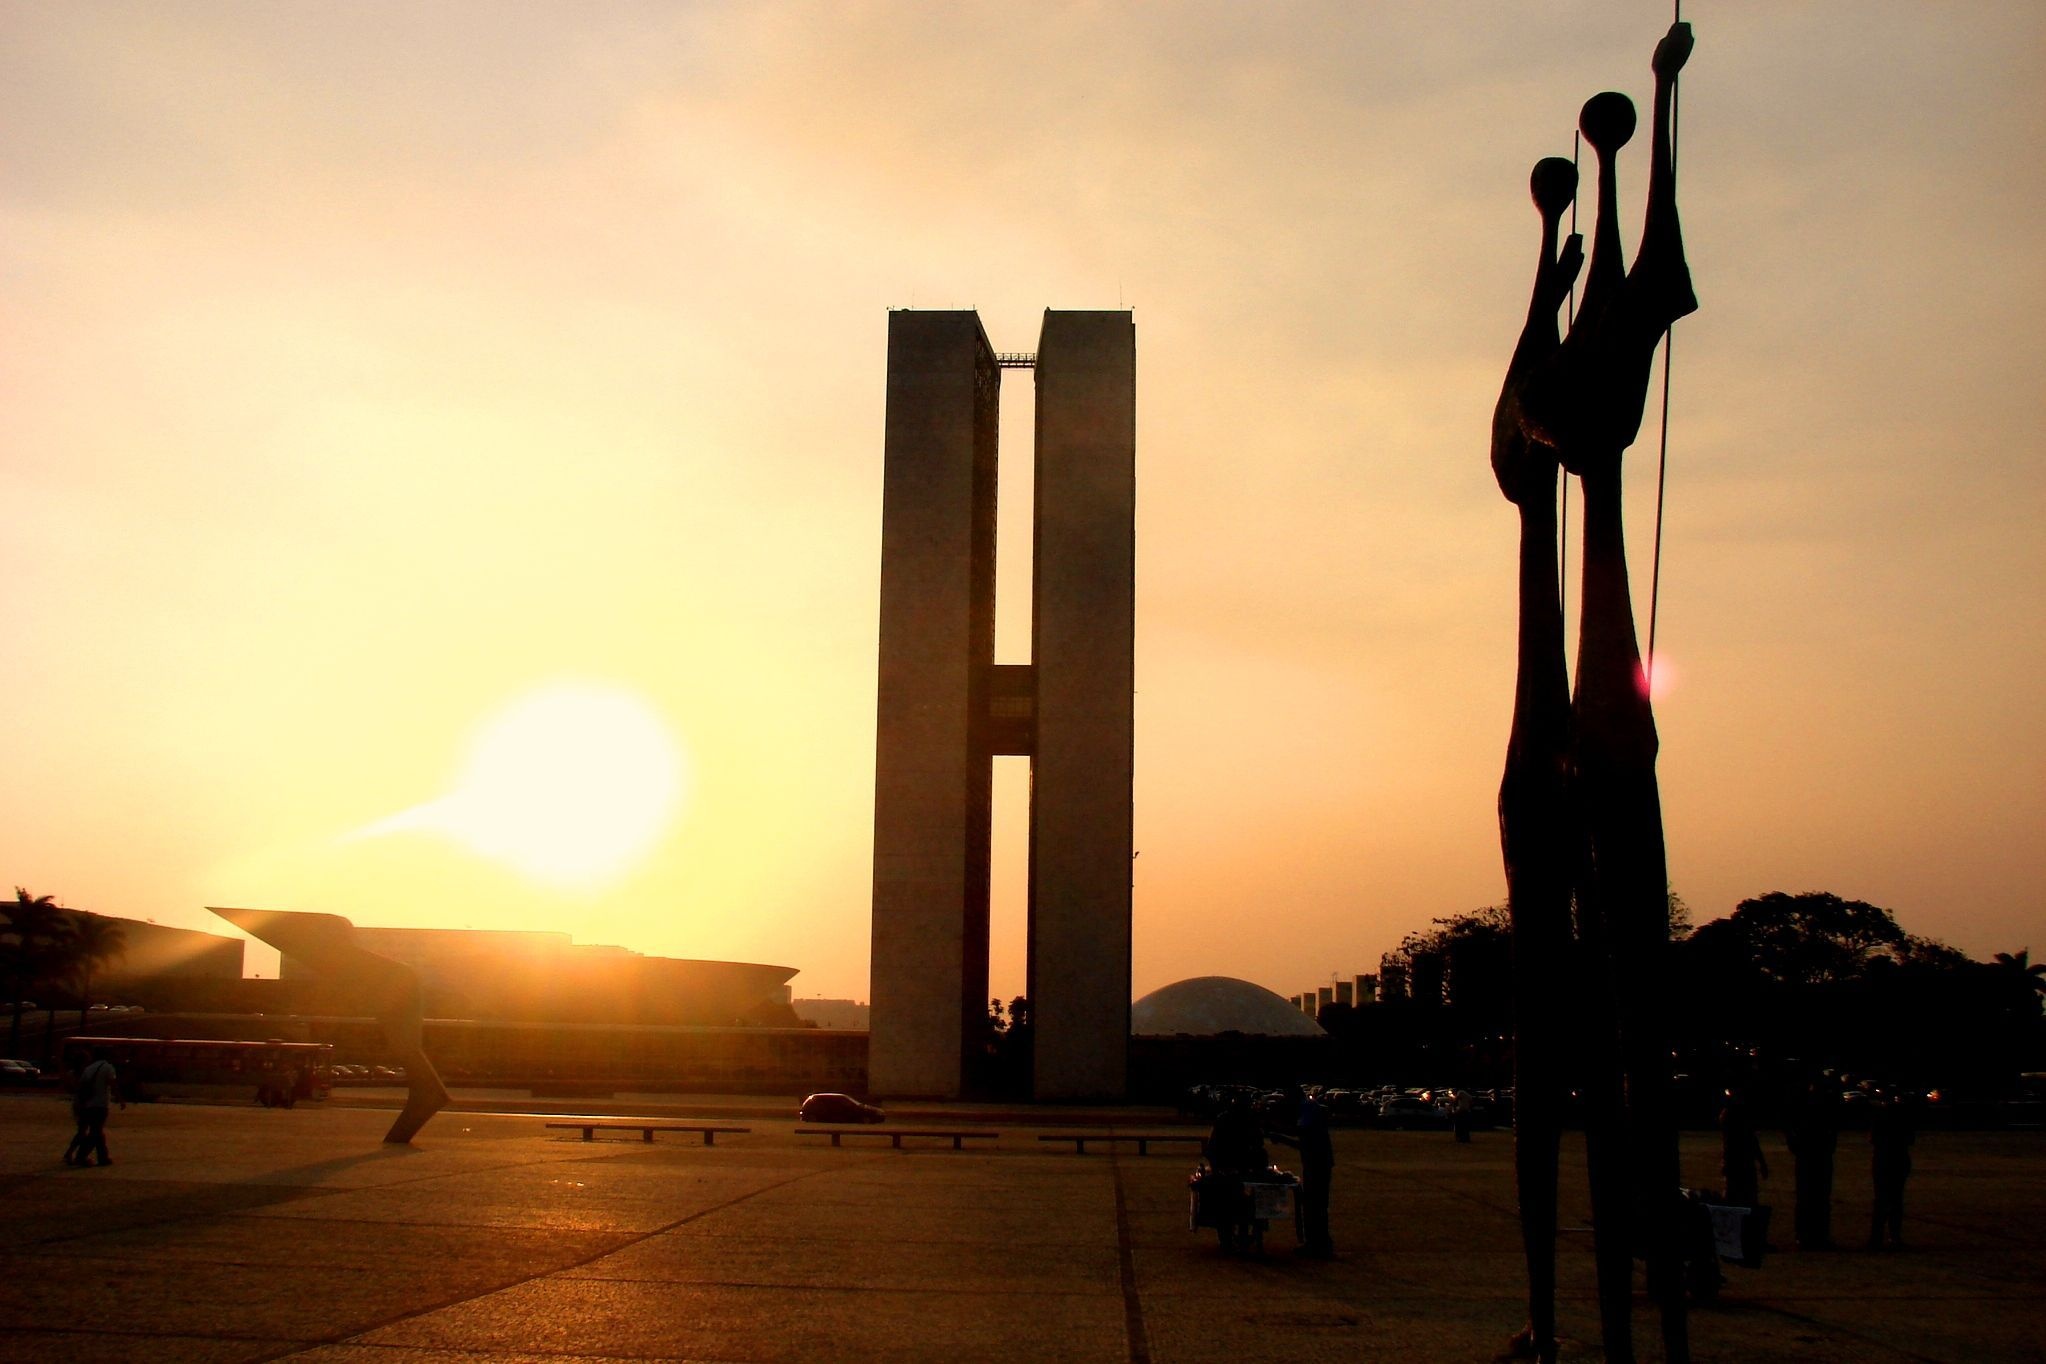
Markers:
point(287, 1194)
point(120, 1333)
point(1840, 1327)
point(1137, 1338)
point(495, 1356)
point(630, 1240)
point(847, 1288)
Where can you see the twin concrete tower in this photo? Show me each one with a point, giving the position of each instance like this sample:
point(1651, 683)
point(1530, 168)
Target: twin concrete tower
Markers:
point(947, 709)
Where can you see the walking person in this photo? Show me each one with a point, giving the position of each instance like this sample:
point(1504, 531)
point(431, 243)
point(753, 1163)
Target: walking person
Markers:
point(1317, 1168)
point(1814, 1135)
point(74, 1154)
point(97, 1091)
point(1740, 1153)
point(1891, 1131)
point(1460, 1106)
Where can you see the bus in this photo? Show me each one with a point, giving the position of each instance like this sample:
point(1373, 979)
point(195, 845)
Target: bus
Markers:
point(274, 1074)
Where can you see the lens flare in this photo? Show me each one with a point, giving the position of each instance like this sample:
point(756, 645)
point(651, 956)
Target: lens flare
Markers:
point(572, 785)
point(1664, 678)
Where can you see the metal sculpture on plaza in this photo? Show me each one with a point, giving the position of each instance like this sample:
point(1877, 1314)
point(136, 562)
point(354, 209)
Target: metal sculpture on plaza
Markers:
point(388, 990)
point(1580, 815)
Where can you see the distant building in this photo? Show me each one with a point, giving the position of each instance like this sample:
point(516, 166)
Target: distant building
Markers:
point(1209, 1006)
point(534, 977)
point(1356, 992)
point(831, 1013)
point(152, 951)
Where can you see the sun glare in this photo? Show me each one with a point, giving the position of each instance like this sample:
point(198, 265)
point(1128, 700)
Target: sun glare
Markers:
point(571, 785)
point(1664, 678)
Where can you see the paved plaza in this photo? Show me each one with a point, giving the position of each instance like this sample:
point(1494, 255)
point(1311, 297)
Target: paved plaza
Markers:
point(237, 1234)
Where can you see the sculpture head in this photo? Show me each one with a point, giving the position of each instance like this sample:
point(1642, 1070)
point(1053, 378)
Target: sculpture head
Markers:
point(1553, 184)
point(1525, 468)
point(1607, 121)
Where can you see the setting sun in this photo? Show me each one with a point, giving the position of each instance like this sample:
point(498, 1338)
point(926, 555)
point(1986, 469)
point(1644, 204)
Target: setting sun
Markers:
point(572, 785)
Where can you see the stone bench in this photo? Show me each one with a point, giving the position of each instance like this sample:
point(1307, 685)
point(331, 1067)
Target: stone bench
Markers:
point(1142, 1139)
point(647, 1129)
point(895, 1134)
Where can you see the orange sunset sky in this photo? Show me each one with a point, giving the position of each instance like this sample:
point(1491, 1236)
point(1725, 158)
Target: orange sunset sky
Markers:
point(441, 451)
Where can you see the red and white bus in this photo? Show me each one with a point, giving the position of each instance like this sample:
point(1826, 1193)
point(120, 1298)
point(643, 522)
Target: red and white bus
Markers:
point(274, 1074)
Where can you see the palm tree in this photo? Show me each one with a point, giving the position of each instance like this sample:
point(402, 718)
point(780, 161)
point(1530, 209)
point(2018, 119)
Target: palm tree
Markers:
point(2024, 978)
point(37, 925)
point(95, 941)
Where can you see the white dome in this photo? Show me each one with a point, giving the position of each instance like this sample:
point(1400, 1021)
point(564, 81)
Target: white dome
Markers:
point(1206, 1005)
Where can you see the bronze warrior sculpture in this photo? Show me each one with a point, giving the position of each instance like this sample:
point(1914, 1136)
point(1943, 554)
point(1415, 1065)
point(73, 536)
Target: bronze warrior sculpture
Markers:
point(1579, 811)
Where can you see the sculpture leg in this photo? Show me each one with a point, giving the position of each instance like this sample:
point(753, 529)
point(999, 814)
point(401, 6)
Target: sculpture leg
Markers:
point(1627, 840)
point(1536, 835)
point(1537, 1127)
point(404, 1028)
point(425, 1096)
point(1602, 1083)
point(1614, 751)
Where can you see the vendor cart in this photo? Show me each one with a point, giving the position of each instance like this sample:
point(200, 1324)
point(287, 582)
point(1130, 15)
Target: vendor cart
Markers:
point(1716, 1231)
point(1240, 1204)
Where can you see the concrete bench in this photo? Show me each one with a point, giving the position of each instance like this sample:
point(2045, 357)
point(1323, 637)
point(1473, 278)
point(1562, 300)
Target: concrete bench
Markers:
point(1142, 1139)
point(894, 1134)
point(647, 1129)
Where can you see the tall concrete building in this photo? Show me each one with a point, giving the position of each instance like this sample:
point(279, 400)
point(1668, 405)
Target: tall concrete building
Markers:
point(947, 709)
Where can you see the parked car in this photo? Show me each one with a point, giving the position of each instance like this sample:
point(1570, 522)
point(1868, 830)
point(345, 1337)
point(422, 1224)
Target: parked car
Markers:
point(19, 1072)
point(1411, 1110)
point(838, 1108)
point(1350, 1105)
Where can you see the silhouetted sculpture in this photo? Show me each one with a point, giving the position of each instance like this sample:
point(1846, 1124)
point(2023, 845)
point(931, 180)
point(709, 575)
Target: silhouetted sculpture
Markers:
point(1579, 808)
point(1535, 831)
point(388, 989)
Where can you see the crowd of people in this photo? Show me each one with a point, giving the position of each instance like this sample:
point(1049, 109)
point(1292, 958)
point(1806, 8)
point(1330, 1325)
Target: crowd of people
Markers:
point(1236, 1150)
point(1813, 1135)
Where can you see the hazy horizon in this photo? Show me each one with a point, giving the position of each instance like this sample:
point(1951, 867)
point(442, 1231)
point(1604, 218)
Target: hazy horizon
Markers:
point(418, 416)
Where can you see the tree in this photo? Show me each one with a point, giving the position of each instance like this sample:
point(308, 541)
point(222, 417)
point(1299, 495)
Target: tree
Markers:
point(1823, 981)
point(1003, 1067)
point(1464, 963)
point(2022, 979)
point(1816, 938)
point(37, 929)
point(95, 941)
point(1679, 918)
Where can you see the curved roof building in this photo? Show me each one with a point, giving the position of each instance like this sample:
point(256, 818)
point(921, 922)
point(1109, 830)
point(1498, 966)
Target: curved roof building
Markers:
point(1206, 1005)
point(527, 977)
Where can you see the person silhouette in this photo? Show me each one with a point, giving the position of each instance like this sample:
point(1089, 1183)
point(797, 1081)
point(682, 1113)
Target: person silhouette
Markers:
point(1892, 1128)
point(1740, 1153)
point(1814, 1135)
point(1236, 1150)
point(95, 1094)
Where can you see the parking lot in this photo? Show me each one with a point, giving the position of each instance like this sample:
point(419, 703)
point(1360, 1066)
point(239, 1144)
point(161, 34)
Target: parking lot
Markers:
point(236, 1233)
